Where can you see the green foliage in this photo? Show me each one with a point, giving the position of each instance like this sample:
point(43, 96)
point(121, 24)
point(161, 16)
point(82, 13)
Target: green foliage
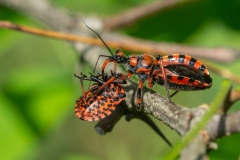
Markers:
point(38, 90)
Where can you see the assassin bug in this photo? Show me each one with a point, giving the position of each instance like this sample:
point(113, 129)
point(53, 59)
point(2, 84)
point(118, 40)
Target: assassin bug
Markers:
point(177, 72)
point(102, 98)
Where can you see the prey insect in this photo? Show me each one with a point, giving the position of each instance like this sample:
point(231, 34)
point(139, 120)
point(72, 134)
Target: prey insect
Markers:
point(102, 98)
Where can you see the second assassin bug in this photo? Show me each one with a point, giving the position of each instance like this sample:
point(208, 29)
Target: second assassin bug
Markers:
point(177, 72)
point(102, 98)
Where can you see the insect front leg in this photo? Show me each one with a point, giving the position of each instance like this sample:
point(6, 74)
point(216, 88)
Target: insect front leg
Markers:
point(105, 64)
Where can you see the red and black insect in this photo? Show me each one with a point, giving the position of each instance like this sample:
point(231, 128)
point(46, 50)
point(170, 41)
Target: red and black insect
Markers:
point(177, 72)
point(102, 98)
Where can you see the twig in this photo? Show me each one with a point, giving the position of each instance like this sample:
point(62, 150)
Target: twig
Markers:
point(134, 14)
point(136, 45)
point(51, 34)
point(223, 125)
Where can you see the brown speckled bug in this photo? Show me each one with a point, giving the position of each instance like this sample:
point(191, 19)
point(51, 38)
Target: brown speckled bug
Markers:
point(102, 98)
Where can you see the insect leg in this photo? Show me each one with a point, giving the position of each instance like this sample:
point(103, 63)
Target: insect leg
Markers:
point(160, 61)
point(139, 95)
point(105, 64)
point(174, 93)
point(150, 78)
point(81, 82)
point(96, 65)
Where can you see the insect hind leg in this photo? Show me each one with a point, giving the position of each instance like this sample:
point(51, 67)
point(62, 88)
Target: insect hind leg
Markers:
point(139, 95)
point(160, 62)
point(174, 93)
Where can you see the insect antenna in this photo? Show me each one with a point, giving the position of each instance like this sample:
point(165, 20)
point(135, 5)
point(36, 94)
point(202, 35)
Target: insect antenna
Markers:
point(92, 31)
point(98, 37)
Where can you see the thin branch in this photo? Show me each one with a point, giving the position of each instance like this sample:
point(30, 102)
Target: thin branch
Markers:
point(223, 125)
point(225, 55)
point(51, 34)
point(135, 14)
point(136, 45)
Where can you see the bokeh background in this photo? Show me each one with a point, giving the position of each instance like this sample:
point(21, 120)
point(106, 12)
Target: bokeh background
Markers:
point(38, 90)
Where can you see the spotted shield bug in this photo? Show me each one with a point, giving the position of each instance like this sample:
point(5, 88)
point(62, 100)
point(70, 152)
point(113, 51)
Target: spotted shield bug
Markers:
point(102, 98)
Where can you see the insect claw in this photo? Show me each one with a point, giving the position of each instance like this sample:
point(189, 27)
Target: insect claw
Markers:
point(77, 76)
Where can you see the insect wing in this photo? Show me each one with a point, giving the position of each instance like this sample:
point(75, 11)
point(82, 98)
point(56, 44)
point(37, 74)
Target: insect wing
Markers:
point(187, 66)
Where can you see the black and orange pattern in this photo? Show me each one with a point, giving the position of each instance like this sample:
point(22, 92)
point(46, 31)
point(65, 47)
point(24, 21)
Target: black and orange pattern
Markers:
point(102, 98)
point(177, 72)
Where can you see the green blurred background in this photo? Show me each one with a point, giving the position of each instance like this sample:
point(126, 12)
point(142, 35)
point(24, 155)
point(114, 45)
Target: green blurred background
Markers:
point(38, 90)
